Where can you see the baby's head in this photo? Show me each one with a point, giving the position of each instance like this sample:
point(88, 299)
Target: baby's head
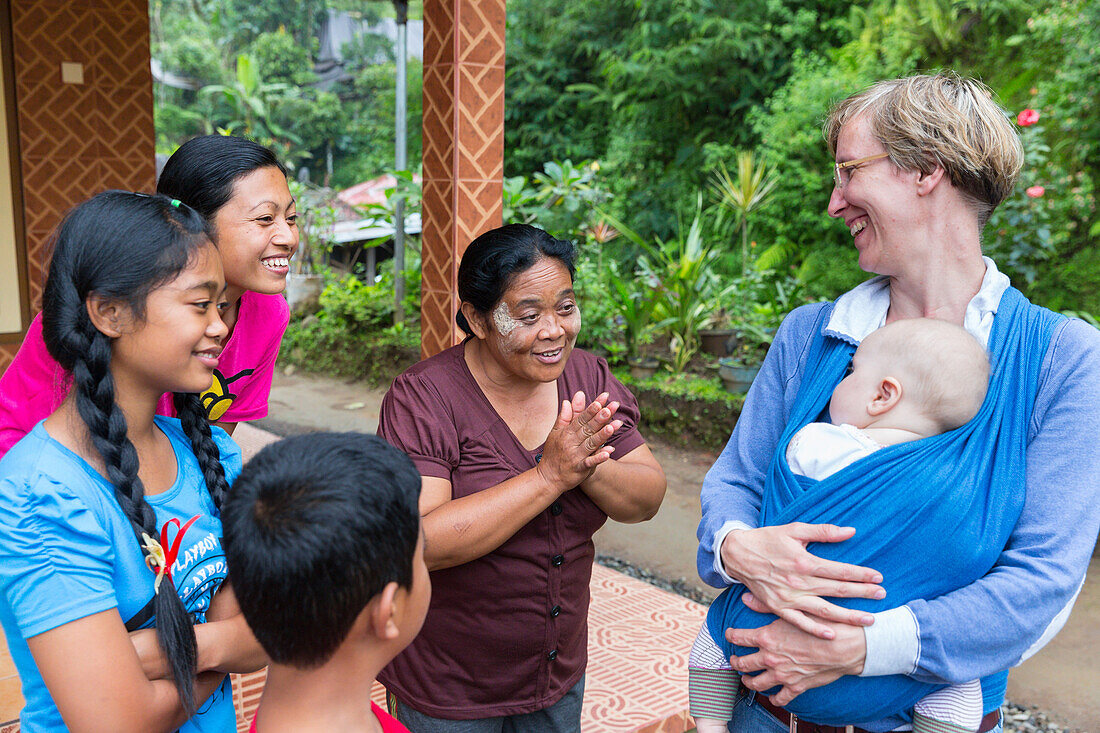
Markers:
point(322, 539)
point(920, 374)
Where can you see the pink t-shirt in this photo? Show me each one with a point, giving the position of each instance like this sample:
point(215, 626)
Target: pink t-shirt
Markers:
point(34, 385)
point(389, 723)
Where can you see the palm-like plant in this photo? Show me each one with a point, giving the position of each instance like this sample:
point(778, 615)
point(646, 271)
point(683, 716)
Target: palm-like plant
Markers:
point(743, 194)
point(635, 307)
point(251, 101)
point(684, 268)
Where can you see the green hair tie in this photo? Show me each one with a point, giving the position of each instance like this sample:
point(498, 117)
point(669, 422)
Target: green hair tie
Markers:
point(176, 203)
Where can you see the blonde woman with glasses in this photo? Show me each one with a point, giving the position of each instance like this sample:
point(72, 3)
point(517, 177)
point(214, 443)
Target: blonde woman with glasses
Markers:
point(882, 609)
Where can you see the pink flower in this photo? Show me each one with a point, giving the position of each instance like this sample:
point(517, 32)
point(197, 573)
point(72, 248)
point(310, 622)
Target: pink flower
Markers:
point(1035, 191)
point(1027, 117)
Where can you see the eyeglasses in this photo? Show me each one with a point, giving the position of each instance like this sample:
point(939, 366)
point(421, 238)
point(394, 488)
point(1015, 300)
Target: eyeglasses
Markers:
point(842, 172)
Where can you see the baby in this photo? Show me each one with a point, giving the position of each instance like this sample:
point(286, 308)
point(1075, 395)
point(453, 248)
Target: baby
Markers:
point(908, 380)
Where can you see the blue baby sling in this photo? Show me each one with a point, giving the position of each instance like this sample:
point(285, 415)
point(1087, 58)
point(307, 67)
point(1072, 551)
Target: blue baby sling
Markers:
point(931, 515)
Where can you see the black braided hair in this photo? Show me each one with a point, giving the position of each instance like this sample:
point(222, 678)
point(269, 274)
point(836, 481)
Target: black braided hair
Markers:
point(195, 424)
point(121, 246)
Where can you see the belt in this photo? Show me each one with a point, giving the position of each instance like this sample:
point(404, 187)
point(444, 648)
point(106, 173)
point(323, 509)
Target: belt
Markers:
point(989, 722)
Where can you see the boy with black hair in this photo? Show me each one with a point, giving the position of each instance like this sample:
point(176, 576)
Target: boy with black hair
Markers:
point(325, 553)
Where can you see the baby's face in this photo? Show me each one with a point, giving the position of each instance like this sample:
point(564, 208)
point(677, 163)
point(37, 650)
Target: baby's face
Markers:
point(858, 389)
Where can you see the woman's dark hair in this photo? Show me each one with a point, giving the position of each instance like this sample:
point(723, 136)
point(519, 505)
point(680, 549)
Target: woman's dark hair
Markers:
point(121, 246)
point(316, 526)
point(201, 173)
point(497, 256)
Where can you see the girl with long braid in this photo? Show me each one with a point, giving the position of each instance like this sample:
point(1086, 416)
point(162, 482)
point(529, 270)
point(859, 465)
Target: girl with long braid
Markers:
point(109, 513)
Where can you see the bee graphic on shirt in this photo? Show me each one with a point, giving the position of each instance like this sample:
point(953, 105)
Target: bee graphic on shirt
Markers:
point(218, 398)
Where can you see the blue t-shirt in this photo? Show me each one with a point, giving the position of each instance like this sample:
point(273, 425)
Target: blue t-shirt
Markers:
point(67, 552)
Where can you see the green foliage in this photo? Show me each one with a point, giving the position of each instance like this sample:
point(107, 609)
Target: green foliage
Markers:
point(1019, 235)
point(327, 347)
point(567, 196)
point(316, 217)
point(633, 303)
point(601, 331)
point(685, 409)
point(280, 59)
point(684, 74)
point(353, 333)
point(355, 305)
point(744, 194)
point(248, 106)
point(563, 199)
point(243, 20)
point(367, 145)
point(1063, 45)
point(686, 285)
point(270, 96)
point(550, 46)
point(521, 201)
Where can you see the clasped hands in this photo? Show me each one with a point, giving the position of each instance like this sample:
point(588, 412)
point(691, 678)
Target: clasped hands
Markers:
point(813, 642)
point(577, 443)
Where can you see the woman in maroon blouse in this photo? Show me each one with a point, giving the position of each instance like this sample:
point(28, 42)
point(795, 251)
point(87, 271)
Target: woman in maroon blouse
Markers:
point(520, 467)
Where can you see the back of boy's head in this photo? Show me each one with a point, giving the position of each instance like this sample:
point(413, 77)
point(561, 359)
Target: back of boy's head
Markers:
point(315, 527)
point(944, 370)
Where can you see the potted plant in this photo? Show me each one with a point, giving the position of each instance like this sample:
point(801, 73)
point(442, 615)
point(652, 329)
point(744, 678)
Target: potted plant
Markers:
point(683, 268)
point(634, 311)
point(739, 369)
point(316, 219)
point(744, 194)
point(717, 339)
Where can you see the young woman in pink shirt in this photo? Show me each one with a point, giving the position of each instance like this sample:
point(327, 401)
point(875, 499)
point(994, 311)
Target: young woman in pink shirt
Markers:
point(240, 189)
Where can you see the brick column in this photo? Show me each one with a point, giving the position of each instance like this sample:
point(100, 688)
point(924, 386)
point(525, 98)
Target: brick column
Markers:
point(463, 150)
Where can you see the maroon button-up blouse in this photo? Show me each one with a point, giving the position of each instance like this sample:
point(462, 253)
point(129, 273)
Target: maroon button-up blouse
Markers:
point(506, 634)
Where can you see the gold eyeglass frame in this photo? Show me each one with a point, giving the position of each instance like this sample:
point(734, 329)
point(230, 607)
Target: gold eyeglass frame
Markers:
point(837, 167)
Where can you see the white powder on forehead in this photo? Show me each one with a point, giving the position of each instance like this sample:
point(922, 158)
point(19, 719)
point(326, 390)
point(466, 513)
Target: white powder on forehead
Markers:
point(503, 319)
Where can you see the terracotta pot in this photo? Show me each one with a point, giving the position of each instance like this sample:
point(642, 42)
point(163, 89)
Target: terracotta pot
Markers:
point(715, 341)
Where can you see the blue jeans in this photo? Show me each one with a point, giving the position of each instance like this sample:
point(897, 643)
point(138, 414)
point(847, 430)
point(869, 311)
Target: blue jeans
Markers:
point(748, 717)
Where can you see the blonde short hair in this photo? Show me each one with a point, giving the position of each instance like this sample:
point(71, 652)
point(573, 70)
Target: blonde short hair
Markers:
point(941, 367)
point(942, 120)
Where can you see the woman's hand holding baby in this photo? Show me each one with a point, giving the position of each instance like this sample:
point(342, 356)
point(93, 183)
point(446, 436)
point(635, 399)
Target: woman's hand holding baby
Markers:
point(791, 582)
point(794, 660)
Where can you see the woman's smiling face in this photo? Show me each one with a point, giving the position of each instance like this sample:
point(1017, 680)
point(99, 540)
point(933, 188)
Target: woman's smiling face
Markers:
point(532, 330)
point(257, 233)
point(877, 203)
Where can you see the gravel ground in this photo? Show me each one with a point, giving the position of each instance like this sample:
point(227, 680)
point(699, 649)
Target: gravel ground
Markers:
point(1017, 719)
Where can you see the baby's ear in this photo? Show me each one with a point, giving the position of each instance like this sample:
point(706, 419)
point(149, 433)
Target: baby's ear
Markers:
point(887, 396)
point(383, 611)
